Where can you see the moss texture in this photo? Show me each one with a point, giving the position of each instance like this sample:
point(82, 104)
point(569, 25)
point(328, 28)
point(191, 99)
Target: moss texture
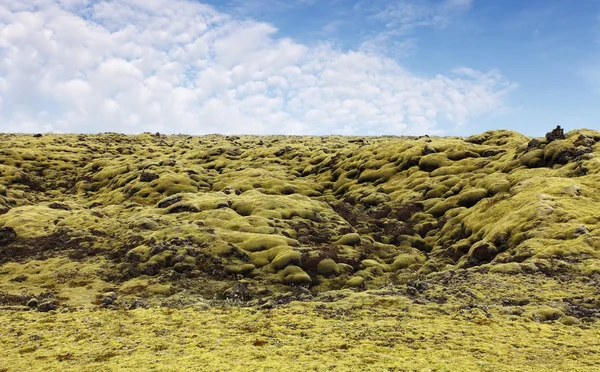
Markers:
point(176, 220)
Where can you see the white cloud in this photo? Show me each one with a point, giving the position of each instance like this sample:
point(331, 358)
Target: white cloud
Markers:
point(403, 16)
point(400, 18)
point(180, 66)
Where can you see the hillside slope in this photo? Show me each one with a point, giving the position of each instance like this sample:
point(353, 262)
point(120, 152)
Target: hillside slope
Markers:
point(246, 253)
point(155, 215)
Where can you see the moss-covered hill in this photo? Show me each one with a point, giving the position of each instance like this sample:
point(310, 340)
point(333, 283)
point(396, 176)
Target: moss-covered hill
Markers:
point(154, 216)
point(351, 252)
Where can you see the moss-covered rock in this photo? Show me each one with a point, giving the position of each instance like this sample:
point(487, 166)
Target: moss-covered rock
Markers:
point(195, 214)
point(349, 239)
point(294, 275)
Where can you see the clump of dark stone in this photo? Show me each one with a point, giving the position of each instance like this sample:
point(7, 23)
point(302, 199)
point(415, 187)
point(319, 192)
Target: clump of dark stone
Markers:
point(239, 292)
point(148, 176)
point(109, 299)
point(414, 287)
point(32, 303)
point(555, 134)
point(19, 279)
point(298, 293)
point(7, 235)
point(60, 206)
point(534, 144)
point(46, 306)
point(170, 201)
point(138, 304)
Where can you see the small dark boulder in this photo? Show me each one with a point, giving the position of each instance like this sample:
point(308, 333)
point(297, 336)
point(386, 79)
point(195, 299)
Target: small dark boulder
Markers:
point(148, 176)
point(183, 267)
point(556, 134)
point(239, 292)
point(428, 150)
point(61, 206)
point(584, 140)
point(46, 306)
point(168, 163)
point(534, 144)
point(412, 291)
point(564, 156)
point(138, 304)
point(19, 278)
point(109, 298)
point(483, 251)
point(32, 303)
point(165, 203)
point(7, 235)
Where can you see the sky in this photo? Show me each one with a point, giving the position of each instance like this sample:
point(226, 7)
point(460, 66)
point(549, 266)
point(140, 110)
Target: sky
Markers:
point(349, 67)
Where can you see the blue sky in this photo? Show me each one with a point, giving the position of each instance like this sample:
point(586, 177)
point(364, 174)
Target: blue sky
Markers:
point(450, 67)
point(549, 48)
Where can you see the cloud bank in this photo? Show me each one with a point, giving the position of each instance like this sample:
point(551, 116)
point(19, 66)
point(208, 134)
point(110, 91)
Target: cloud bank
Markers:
point(178, 66)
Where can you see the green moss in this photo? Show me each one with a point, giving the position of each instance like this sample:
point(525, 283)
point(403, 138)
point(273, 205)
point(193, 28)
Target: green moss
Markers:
point(285, 259)
point(355, 282)
point(569, 320)
point(508, 268)
point(327, 267)
point(377, 176)
point(139, 254)
point(547, 313)
point(404, 261)
point(441, 207)
point(242, 269)
point(263, 258)
point(375, 199)
point(498, 187)
point(533, 159)
point(432, 162)
point(349, 239)
point(294, 275)
point(213, 208)
point(469, 198)
point(255, 243)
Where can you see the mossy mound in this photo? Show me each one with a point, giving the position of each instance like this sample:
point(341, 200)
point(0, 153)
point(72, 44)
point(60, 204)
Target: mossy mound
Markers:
point(162, 215)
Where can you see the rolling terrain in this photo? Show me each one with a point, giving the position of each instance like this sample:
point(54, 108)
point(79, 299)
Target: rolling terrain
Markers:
point(175, 252)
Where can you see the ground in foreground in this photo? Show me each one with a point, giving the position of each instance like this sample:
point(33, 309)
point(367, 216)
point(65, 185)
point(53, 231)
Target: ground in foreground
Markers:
point(375, 330)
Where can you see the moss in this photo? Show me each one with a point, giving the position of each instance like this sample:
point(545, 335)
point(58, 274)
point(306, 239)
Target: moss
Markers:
point(547, 313)
point(377, 176)
point(238, 206)
point(257, 243)
point(139, 254)
point(498, 187)
point(327, 267)
point(441, 207)
point(288, 190)
point(349, 239)
point(285, 259)
point(294, 275)
point(146, 224)
point(355, 282)
point(432, 162)
point(263, 258)
point(437, 191)
point(508, 268)
point(533, 159)
point(404, 261)
point(242, 269)
point(569, 320)
point(374, 199)
point(469, 198)
point(161, 259)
